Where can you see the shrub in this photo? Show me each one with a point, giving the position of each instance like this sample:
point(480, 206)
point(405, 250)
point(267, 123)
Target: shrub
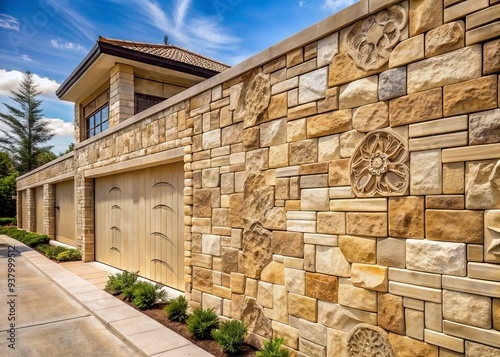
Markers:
point(7, 221)
point(230, 336)
point(30, 239)
point(272, 348)
point(119, 282)
point(177, 309)
point(144, 294)
point(69, 255)
point(43, 248)
point(53, 252)
point(201, 323)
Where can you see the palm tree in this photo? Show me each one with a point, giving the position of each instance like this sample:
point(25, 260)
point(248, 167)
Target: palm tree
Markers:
point(28, 132)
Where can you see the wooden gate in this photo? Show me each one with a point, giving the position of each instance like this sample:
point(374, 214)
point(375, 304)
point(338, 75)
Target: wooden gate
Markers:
point(65, 212)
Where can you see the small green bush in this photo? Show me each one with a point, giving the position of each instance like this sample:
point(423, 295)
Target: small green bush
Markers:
point(69, 255)
point(230, 336)
point(43, 248)
point(272, 348)
point(144, 294)
point(53, 252)
point(201, 323)
point(30, 239)
point(7, 221)
point(119, 282)
point(177, 309)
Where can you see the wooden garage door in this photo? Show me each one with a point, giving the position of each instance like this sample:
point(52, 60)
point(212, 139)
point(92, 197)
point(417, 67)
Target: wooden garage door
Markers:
point(39, 209)
point(65, 214)
point(139, 222)
point(24, 210)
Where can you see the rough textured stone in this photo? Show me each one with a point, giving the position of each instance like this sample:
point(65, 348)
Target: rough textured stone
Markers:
point(392, 83)
point(470, 96)
point(436, 257)
point(391, 252)
point(445, 38)
point(302, 306)
point(311, 349)
point(406, 217)
point(274, 272)
point(357, 298)
point(251, 138)
point(232, 134)
point(426, 172)
point(358, 93)
point(257, 252)
point(492, 236)
point(491, 57)
point(210, 244)
point(252, 103)
point(454, 178)
point(229, 257)
point(273, 133)
point(337, 343)
point(265, 294)
point(339, 173)
point(238, 283)
point(278, 156)
point(331, 222)
point(445, 202)
point(391, 314)
point(416, 107)
point(342, 318)
point(414, 321)
point(328, 47)
point(202, 279)
point(473, 349)
point(288, 243)
point(408, 51)
point(278, 106)
point(454, 226)
point(315, 199)
point(448, 68)
point(371, 117)
point(236, 205)
point(312, 85)
point(425, 15)
point(275, 218)
point(482, 186)
point(330, 260)
point(328, 148)
point(289, 334)
point(358, 249)
point(322, 287)
point(296, 130)
point(404, 346)
point(348, 142)
point(257, 160)
point(372, 277)
point(484, 127)
point(295, 281)
point(344, 70)
point(259, 198)
point(495, 314)
point(202, 203)
point(329, 123)
point(367, 224)
point(466, 308)
point(303, 152)
point(254, 318)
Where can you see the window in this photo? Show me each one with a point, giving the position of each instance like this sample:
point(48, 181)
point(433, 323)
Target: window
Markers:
point(97, 122)
point(144, 101)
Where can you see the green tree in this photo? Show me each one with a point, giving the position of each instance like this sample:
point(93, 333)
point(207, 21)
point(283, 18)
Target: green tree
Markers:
point(7, 186)
point(70, 148)
point(28, 132)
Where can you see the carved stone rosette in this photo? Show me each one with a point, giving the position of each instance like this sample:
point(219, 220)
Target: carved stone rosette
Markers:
point(379, 165)
point(368, 341)
point(370, 41)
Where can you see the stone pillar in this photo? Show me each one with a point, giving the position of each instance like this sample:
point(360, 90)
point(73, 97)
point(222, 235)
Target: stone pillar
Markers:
point(19, 209)
point(85, 216)
point(49, 217)
point(78, 125)
point(121, 93)
point(31, 198)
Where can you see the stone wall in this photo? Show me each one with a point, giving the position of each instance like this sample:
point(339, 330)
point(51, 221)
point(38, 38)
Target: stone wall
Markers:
point(49, 172)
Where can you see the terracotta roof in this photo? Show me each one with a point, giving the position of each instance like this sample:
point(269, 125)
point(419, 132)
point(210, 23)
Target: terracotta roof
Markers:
point(170, 52)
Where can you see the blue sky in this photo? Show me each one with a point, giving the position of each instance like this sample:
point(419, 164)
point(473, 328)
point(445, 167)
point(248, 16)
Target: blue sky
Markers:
point(51, 37)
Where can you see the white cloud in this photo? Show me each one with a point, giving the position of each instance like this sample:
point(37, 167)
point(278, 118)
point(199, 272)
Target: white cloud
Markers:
point(27, 58)
point(60, 127)
point(9, 22)
point(337, 5)
point(67, 45)
point(9, 80)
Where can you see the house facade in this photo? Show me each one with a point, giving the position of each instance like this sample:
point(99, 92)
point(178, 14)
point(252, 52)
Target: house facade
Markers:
point(340, 187)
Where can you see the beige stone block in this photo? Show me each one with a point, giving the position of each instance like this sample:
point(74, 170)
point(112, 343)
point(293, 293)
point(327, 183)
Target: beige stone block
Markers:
point(439, 126)
point(339, 172)
point(436, 257)
point(288, 243)
point(366, 224)
point(472, 286)
point(489, 337)
point(265, 294)
point(455, 225)
point(370, 117)
point(416, 107)
point(406, 217)
point(202, 279)
point(416, 292)
point(309, 257)
point(484, 271)
point(454, 178)
point(306, 67)
point(473, 310)
point(321, 239)
point(337, 343)
point(301, 215)
point(470, 96)
point(302, 306)
point(371, 277)
point(391, 313)
point(475, 252)
point(349, 141)
point(201, 260)
point(434, 316)
point(273, 133)
point(315, 199)
point(491, 57)
point(284, 86)
point(358, 249)
point(302, 111)
point(274, 272)
point(442, 340)
point(415, 278)
point(405, 346)
point(296, 130)
point(445, 38)
point(359, 205)
point(496, 314)
point(295, 57)
point(426, 172)
point(414, 321)
point(464, 8)
point(311, 349)
point(278, 156)
point(313, 332)
point(212, 302)
point(445, 202)
point(294, 263)
point(289, 334)
point(408, 51)
point(413, 304)
point(491, 236)
point(439, 141)
point(330, 102)
point(330, 260)
point(331, 222)
point(316, 168)
point(471, 153)
point(327, 49)
point(344, 70)
point(313, 85)
point(425, 15)
point(328, 123)
point(321, 287)
point(222, 292)
point(314, 181)
point(358, 93)
point(303, 152)
point(301, 226)
point(357, 298)
point(343, 318)
point(251, 287)
point(278, 106)
point(479, 350)
point(341, 192)
point(484, 127)
point(391, 252)
point(238, 283)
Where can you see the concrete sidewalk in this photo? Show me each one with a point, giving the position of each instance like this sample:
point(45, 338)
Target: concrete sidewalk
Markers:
point(58, 313)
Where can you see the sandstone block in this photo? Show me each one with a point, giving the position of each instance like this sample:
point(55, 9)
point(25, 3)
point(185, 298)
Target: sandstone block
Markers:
point(313, 332)
point(370, 117)
point(491, 236)
point(273, 133)
point(232, 134)
point(296, 130)
point(274, 272)
point(202, 279)
point(257, 251)
point(391, 315)
point(484, 127)
point(454, 178)
point(330, 260)
point(251, 138)
point(257, 160)
point(358, 249)
point(265, 294)
point(229, 257)
point(355, 297)
point(312, 85)
point(466, 308)
point(278, 106)
point(202, 203)
point(331, 222)
point(210, 177)
point(337, 343)
point(414, 321)
point(404, 346)
point(329, 123)
point(331, 101)
point(433, 316)
point(392, 83)
point(366, 224)
point(491, 57)
point(339, 173)
point(302, 111)
point(303, 152)
point(278, 156)
point(436, 257)
point(482, 182)
point(372, 277)
point(211, 139)
point(445, 202)
point(416, 107)
point(302, 306)
point(311, 349)
point(408, 51)
point(473, 349)
point(210, 244)
point(322, 287)
point(406, 217)
point(496, 314)
point(309, 257)
point(315, 199)
point(348, 142)
point(344, 70)
point(250, 106)
point(238, 283)
point(426, 172)
point(328, 47)
point(254, 318)
point(288, 243)
point(288, 333)
point(295, 281)
point(425, 15)
point(358, 93)
point(391, 252)
point(343, 318)
point(445, 38)
point(470, 96)
point(454, 225)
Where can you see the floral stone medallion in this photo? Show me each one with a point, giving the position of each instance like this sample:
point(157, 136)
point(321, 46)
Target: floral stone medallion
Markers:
point(379, 165)
point(370, 41)
point(368, 341)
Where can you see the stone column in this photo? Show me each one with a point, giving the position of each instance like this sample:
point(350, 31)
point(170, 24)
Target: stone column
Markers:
point(19, 209)
point(121, 93)
point(31, 198)
point(85, 216)
point(78, 125)
point(49, 217)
